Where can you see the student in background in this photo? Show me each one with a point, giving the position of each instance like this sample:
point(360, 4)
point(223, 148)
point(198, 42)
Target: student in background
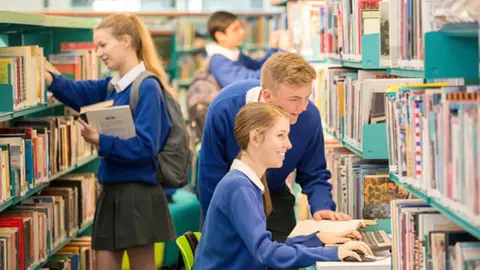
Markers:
point(132, 212)
point(227, 63)
point(286, 81)
point(234, 233)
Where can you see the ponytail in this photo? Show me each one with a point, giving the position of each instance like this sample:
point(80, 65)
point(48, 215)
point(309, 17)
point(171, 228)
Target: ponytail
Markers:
point(148, 54)
point(267, 201)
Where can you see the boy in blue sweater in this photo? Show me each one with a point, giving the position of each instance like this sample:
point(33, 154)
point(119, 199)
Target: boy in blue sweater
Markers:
point(287, 82)
point(132, 212)
point(234, 234)
point(227, 63)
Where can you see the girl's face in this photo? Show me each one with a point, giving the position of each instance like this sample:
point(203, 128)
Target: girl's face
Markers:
point(109, 49)
point(275, 144)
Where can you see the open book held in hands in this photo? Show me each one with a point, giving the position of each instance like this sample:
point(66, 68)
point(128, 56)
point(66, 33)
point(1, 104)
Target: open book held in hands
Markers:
point(110, 120)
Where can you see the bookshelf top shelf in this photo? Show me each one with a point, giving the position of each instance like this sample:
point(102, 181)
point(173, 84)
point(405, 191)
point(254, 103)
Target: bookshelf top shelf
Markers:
point(461, 220)
point(15, 200)
point(154, 14)
point(6, 116)
point(27, 19)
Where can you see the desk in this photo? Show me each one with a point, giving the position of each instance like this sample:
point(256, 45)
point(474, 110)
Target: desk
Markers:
point(384, 264)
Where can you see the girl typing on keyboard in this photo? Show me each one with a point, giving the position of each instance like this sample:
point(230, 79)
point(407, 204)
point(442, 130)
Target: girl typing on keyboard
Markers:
point(234, 233)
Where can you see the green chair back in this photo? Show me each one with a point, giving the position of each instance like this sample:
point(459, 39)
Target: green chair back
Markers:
point(188, 254)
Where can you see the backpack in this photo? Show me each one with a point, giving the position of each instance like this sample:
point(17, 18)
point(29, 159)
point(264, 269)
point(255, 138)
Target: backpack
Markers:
point(200, 93)
point(175, 159)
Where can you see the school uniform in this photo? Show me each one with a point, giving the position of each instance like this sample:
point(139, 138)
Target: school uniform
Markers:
point(235, 234)
point(228, 66)
point(220, 148)
point(132, 209)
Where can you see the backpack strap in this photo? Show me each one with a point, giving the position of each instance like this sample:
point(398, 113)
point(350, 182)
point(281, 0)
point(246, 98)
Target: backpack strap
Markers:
point(135, 90)
point(110, 88)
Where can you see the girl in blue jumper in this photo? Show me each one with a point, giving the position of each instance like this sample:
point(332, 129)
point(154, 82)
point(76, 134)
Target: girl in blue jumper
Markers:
point(132, 212)
point(234, 233)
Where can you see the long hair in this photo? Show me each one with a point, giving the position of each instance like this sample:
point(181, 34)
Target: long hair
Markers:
point(121, 24)
point(257, 116)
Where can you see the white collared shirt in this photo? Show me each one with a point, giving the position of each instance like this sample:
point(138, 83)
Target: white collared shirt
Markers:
point(122, 83)
point(214, 48)
point(253, 95)
point(244, 168)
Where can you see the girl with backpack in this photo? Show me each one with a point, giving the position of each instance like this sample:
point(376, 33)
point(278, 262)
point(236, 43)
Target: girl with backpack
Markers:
point(234, 234)
point(132, 212)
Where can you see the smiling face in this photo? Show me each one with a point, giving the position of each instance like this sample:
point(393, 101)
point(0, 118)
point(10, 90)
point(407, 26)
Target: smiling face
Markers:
point(274, 144)
point(293, 99)
point(111, 50)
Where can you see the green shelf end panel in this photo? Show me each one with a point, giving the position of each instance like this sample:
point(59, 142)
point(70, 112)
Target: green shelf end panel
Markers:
point(371, 51)
point(3, 40)
point(450, 56)
point(6, 102)
point(374, 141)
point(382, 224)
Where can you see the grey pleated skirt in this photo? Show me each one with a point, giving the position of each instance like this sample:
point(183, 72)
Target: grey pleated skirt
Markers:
point(129, 215)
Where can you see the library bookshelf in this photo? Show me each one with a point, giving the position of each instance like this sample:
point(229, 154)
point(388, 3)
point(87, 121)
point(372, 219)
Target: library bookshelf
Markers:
point(48, 32)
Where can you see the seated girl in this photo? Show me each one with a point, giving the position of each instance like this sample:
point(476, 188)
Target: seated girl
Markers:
point(234, 234)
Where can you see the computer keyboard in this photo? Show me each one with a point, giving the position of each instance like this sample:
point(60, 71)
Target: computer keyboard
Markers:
point(377, 240)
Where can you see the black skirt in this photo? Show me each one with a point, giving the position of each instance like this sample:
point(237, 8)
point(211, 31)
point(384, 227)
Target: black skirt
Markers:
point(131, 214)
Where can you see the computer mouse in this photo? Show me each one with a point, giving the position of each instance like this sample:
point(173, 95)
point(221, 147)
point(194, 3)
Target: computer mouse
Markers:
point(363, 257)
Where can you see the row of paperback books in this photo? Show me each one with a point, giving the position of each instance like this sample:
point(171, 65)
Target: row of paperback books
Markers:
point(24, 68)
point(361, 188)
point(425, 239)
point(334, 29)
point(36, 149)
point(433, 142)
point(33, 229)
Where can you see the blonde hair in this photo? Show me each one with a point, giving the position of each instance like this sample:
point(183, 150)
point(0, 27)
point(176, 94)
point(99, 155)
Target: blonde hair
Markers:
point(121, 24)
point(286, 68)
point(261, 117)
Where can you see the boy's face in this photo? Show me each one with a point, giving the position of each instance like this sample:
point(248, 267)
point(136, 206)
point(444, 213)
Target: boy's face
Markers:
point(233, 36)
point(293, 99)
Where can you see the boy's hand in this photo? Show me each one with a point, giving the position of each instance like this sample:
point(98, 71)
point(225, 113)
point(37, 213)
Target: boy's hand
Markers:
point(329, 214)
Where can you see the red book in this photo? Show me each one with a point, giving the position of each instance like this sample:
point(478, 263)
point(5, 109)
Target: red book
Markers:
point(16, 222)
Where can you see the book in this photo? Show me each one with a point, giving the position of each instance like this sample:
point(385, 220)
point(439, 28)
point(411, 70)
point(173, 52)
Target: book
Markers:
point(113, 121)
point(310, 226)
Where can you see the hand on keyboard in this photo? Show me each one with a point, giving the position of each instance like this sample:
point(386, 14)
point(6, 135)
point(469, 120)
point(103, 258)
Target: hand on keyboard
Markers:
point(338, 238)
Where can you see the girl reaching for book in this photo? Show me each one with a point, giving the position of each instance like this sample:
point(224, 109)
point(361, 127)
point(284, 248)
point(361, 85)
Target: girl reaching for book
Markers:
point(132, 212)
point(234, 233)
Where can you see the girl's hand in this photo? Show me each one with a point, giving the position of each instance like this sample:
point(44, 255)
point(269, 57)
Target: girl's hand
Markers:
point(338, 238)
point(348, 249)
point(89, 133)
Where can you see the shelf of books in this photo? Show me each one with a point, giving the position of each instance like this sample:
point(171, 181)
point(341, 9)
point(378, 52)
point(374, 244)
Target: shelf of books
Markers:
point(399, 98)
point(48, 187)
